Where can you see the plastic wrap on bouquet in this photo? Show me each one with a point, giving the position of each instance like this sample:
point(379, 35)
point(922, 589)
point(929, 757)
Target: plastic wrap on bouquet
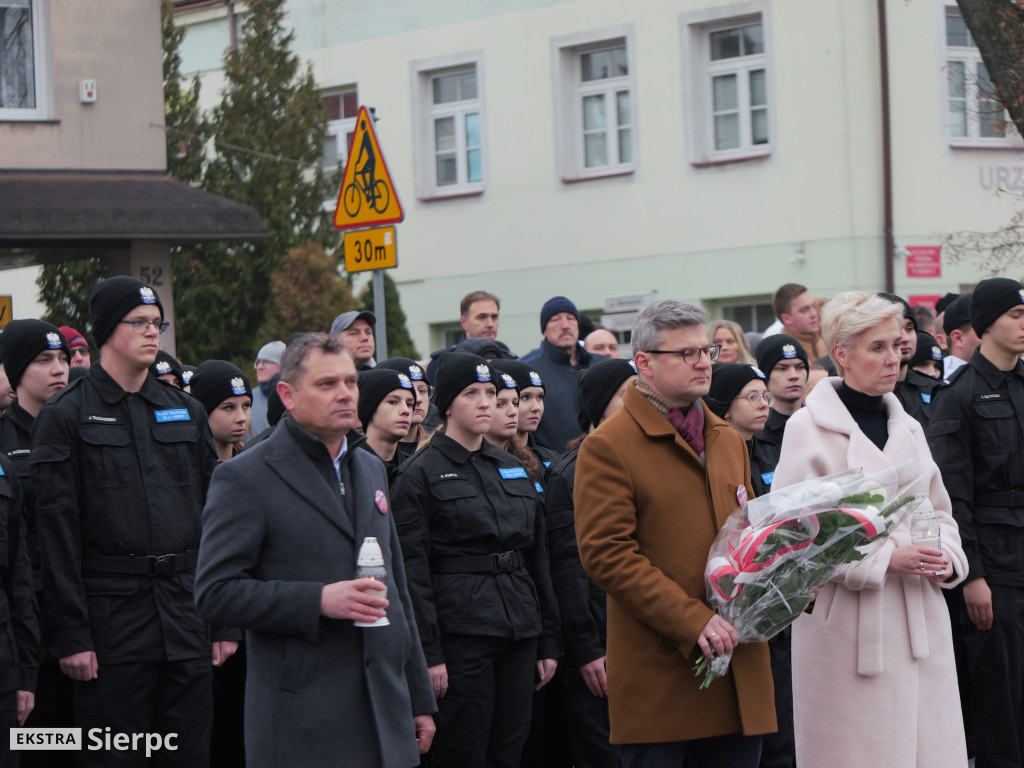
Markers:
point(773, 552)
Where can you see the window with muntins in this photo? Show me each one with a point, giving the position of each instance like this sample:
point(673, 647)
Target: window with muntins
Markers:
point(737, 89)
point(23, 77)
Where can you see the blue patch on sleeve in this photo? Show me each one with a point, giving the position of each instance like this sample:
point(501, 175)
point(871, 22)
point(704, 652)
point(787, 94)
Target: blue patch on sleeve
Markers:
point(767, 477)
point(539, 487)
point(509, 473)
point(174, 414)
point(1, 471)
point(547, 464)
point(926, 397)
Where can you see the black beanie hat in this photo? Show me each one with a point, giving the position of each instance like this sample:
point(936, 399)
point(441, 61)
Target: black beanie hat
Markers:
point(215, 381)
point(524, 375)
point(187, 372)
point(112, 299)
point(958, 313)
point(275, 407)
point(943, 304)
point(779, 346)
point(991, 298)
point(598, 385)
point(376, 384)
point(455, 372)
point(485, 348)
point(908, 311)
point(927, 349)
point(408, 366)
point(727, 379)
point(21, 343)
point(556, 306)
point(164, 364)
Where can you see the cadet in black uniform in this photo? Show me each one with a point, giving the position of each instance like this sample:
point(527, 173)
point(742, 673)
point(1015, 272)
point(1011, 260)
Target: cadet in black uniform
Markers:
point(913, 389)
point(531, 411)
point(977, 423)
point(474, 547)
point(783, 360)
point(424, 414)
point(581, 603)
point(37, 359)
point(121, 463)
point(19, 653)
point(738, 394)
point(386, 402)
point(927, 360)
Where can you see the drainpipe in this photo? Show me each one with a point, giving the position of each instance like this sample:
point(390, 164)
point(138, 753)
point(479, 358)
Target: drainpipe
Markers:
point(232, 24)
point(883, 65)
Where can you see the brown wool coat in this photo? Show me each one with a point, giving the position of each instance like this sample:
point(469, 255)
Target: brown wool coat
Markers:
point(647, 512)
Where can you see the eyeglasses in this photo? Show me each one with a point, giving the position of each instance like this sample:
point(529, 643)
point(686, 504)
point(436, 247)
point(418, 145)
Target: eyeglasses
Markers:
point(141, 326)
point(424, 390)
point(755, 398)
point(690, 355)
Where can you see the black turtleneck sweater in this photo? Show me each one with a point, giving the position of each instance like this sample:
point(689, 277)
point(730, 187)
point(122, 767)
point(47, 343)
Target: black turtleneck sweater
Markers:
point(869, 413)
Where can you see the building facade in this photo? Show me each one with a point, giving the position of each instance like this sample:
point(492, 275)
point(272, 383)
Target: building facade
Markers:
point(707, 151)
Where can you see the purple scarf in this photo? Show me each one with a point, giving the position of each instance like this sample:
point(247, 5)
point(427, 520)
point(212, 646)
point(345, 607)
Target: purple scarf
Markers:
point(689, 424)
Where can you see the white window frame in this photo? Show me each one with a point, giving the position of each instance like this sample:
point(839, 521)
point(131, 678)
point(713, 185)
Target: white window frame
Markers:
point(42, 69)
point(569, 91)
point(425, 112)
point(748, 303)
point(970, 57)
point(337, 131)
point(698, 68)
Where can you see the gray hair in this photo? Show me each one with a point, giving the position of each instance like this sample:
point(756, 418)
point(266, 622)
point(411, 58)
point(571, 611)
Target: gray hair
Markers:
point(850, 314)
point(295, 354)
point(656, 317)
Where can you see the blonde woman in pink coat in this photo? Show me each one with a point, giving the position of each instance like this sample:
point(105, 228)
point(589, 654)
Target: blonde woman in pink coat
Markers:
point(874, 682)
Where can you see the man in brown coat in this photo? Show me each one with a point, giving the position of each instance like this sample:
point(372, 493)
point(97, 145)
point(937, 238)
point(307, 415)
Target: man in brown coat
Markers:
point(654, 484)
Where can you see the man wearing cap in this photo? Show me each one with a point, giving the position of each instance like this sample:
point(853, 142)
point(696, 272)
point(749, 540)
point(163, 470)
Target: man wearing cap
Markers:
point(961, 340)
point(784, 361)
point(558, 360)
point(120, 464)
point(79, 347)
point(268, 362)
point(653, 485)
point(355, 330)
point(282, 529)
point(977, 439)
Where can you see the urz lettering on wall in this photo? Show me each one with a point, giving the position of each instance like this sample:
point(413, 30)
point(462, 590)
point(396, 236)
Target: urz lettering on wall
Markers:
point(1005, 177)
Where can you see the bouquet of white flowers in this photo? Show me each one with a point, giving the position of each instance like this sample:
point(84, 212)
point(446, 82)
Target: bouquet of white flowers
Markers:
point(773, 552)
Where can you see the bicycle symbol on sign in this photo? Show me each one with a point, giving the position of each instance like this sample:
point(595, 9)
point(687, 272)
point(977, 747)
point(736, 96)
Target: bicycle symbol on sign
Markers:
point(366, 184)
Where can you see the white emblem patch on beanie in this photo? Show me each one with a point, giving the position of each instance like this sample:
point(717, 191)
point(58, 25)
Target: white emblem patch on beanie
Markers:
point(510, 383)
point(757, 370)
point(52, 340)
point(238, 385)
point(788, 351)
point(483, 373)
point(416, 372)
point(632, 364)
point(163, 367)
point(148, 297)
point(535, 379)
point(404, 381)
point(936, 353)
point(1022, 295)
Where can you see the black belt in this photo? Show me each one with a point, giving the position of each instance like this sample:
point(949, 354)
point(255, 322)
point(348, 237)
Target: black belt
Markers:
point(141, 565)
point(500, 562)
point(1000, 499)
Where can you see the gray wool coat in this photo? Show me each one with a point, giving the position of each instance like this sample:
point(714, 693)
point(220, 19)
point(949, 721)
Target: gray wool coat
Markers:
point(320, 692)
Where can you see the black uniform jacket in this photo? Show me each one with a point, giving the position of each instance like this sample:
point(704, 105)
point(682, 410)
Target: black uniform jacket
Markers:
point(120, 474)
point(581, 603)
point(975, 434)
point(915, 392)
point(451, 503)
point(16, 445)
point(774, 428)
point(764, 456)
point(19, 622)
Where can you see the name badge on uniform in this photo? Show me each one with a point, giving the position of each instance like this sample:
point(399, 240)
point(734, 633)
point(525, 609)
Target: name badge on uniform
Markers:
point(988, 396)
point(510, 473)
point(381, 500)
point(172, 414)
point(741, 495)
point(927, 398)
point(767, 477)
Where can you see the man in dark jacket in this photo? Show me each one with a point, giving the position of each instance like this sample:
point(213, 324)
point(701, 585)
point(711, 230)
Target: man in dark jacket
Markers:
point(120, 464)
point(281, 532)
point(977, 423)
point(558, 360)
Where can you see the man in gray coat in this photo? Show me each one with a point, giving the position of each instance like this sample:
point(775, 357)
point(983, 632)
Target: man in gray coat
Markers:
point(282, 527)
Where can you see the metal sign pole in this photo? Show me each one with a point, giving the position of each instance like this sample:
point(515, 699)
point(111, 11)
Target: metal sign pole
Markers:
point(379, 310)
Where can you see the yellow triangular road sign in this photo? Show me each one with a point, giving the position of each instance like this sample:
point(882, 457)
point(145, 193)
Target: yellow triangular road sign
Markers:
point(368, 196)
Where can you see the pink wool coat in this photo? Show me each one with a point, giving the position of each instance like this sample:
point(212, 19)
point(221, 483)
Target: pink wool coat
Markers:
point(874, 681)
